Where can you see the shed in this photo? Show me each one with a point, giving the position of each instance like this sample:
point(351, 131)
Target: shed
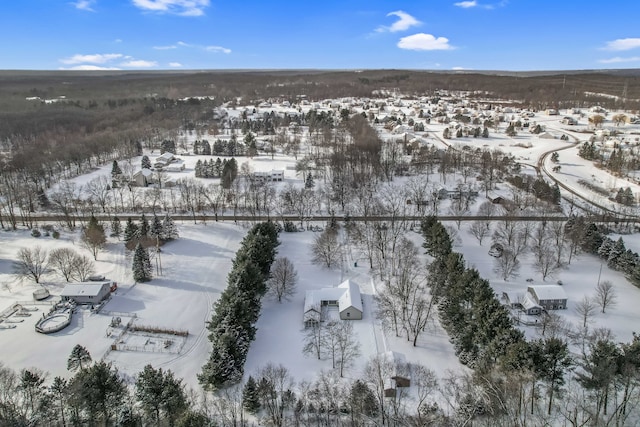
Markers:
point(87, 292)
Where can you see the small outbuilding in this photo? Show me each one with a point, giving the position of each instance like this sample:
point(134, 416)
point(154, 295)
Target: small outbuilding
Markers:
point(87, 292)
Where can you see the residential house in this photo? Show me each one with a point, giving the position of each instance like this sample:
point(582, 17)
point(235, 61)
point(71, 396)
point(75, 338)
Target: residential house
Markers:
point(272, 176)
point(87, 292)
point(549, 297)
point(346, 297)
point(142, 178)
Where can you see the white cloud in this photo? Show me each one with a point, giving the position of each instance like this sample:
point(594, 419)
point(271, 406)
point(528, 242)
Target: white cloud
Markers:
point(458, 68)
point(618, 59)
point(172, 46)
point(175, 64)
point(84, 5)
point(92, 59)
point(176, 7)
point(466, 4)
point(139, 63)
point(422, 41)
point(217, 49)
point(623, 44)
point(405, 22)
point(87, 67)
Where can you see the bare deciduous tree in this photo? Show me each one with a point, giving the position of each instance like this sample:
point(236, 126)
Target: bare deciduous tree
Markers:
point(585, 308)
point(326, 249)
point(479, 230)
point(82, 268)
point(31, 263)
point(275, 386)
point(282, 283)
point(62, 260)
point(506, 265)
point(605, 295)
point(314, 340)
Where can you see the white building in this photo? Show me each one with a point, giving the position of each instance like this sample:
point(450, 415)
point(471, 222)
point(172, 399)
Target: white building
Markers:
point(346, 297)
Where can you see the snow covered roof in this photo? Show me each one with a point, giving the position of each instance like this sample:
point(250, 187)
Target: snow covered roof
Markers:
point(528, 302)
point(351, 297)
point(166, 157)
point(347, 294)
point(83, 289)
point(547, 292)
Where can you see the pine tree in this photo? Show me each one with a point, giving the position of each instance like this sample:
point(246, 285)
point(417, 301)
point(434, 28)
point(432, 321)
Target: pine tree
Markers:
point(115, 170)
point(250, 398)
point(141, 264)
point(309, 182)
point(155, 231)
point(169, 229)
point(78, 359)
point(130, 230)
point(145, 163)
point(116, 227)
point(143, 230)
point(198, 169)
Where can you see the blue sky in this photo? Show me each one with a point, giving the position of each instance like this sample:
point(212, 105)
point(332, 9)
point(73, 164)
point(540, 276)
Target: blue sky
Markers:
point(328, 34)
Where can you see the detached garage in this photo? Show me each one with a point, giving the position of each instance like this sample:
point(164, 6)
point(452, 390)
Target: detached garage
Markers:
point(86, 292)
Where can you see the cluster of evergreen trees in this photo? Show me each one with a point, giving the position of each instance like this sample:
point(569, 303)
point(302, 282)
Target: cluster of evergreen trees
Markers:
point(217, 168)
point(625, 197)
point(202, 147)
point(96, 394)
point(168, 146)
point(479, 325)
point(538, 187)
point(593, 240)
point(232, 325)
point(148, 233)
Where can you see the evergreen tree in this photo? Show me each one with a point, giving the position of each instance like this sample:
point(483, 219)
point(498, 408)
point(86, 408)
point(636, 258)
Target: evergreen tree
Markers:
point(309, 182)
point(141, 264)
point(229, 173)
point(169, 229)
point(159, 392)
point(168, 146)
point(78, 359)
point(600, 367)
point(250, 142)
point(130, 231)
point(116, 227)
point(551, 361)
point(616, 252)
point(143, 229)
point(628, 198)
point(155, 230)
point(98, 391)
point(115, 170)
point(206, 148)
point(145, 163)
point(485, 132)
point(198, 169)
point(250, 397)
